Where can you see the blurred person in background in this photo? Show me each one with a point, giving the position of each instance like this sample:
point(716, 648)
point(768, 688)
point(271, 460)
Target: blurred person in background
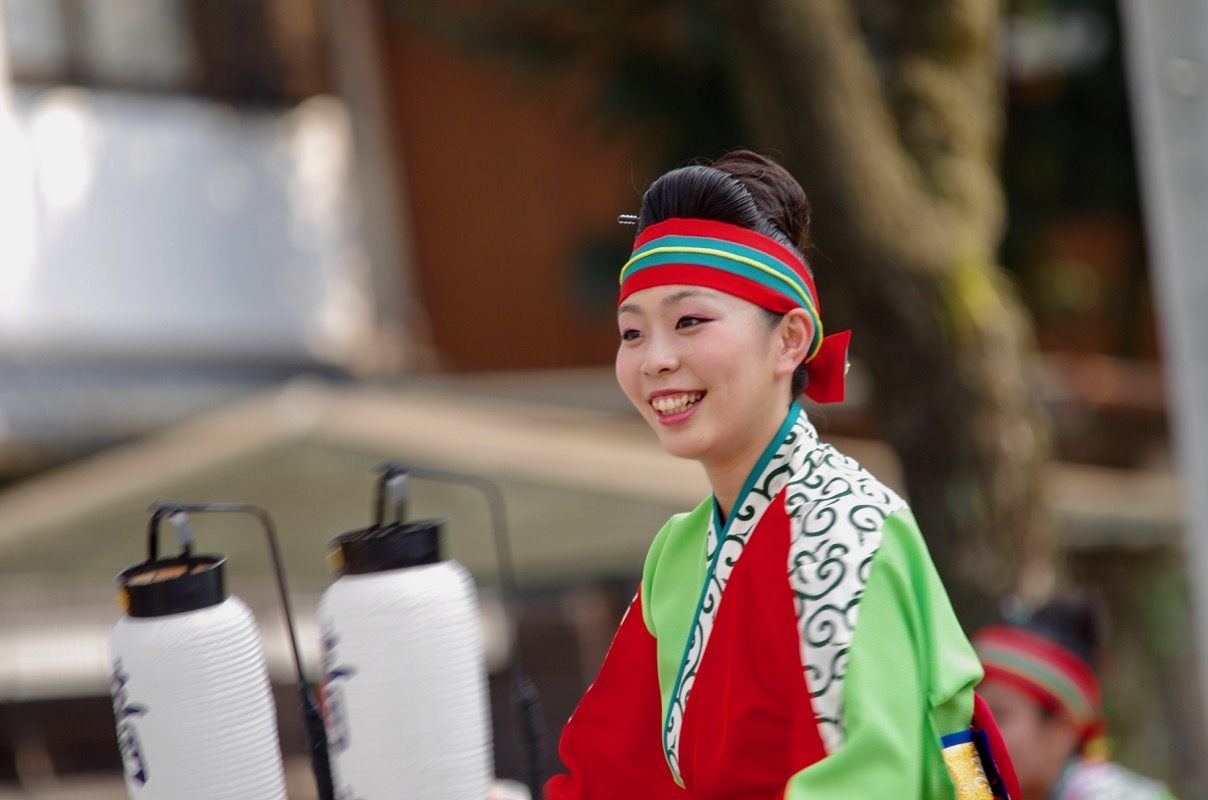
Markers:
point(1041, 684)
point(790, 637)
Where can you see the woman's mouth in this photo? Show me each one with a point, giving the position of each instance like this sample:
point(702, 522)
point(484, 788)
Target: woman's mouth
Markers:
point(671, 404)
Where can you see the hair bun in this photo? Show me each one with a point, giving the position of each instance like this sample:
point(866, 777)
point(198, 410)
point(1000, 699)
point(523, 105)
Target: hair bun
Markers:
point(1076, 619)
point(741, 188)
point(779, 198)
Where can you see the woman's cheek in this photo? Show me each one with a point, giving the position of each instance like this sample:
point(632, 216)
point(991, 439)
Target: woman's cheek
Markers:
point(627, 364)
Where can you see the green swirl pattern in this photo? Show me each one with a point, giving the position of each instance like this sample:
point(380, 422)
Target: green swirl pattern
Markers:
point(837, 509)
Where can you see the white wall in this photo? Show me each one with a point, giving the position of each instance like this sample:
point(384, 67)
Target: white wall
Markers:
point(160, 226)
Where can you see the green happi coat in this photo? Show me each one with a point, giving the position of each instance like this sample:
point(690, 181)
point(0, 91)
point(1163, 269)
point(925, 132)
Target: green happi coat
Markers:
point(804, 648)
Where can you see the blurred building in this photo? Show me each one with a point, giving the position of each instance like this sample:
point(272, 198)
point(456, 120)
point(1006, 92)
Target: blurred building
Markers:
point(181, 219)
point(203, 198)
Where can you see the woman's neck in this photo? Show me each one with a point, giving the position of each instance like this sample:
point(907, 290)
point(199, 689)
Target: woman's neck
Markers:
point(727, 482)
point(728, 476)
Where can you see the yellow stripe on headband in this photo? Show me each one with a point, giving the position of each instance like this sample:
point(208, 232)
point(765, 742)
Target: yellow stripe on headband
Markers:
point(710, 251)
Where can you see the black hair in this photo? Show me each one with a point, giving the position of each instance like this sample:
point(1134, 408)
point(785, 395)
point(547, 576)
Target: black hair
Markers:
point(740, 188)
point(1075, 619)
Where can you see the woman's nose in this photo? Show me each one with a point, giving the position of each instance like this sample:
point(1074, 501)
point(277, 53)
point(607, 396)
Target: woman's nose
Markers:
point(661, 355)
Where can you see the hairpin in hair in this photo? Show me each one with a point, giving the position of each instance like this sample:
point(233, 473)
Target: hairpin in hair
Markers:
point(627, 219)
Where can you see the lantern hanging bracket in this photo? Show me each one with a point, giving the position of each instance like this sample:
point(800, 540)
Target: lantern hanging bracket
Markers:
point(316, 731)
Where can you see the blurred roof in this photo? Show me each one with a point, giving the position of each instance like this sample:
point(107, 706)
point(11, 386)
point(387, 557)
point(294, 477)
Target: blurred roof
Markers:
point(586, 486)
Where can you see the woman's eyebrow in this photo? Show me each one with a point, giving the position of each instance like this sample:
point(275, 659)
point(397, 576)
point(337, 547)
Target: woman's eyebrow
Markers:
point(666, 302)
point(672, 299)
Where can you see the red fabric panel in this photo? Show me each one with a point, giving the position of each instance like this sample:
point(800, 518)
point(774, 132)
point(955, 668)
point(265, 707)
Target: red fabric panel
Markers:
point(750, 724)
point(984, 719)
point(612, 745)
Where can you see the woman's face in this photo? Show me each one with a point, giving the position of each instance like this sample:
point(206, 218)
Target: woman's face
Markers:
point(705, 369)
point(1039, 742)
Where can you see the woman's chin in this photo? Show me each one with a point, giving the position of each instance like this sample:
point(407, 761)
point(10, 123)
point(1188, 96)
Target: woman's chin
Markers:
point(679, 444)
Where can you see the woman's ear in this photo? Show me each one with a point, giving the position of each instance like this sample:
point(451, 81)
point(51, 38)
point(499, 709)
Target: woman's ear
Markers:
point(794, 335)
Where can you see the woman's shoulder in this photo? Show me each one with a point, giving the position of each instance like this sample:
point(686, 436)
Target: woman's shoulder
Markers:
point(824, 474)
point(680, 529)
point(852, 479)
point(671, 553)
point(832, 498)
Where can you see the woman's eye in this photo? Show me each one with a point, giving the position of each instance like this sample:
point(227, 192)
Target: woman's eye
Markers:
point(630, 334)
point(689, 322)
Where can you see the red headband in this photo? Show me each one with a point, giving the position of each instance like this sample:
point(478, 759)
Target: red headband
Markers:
point(1051, 674)
point(746, 264)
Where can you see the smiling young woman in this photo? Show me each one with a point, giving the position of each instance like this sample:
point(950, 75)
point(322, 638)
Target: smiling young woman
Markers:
point(790, 637)
point(703, 369)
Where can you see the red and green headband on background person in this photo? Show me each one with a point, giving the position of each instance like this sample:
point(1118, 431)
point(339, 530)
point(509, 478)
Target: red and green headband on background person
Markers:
point(1052, 675)
point(746, 264)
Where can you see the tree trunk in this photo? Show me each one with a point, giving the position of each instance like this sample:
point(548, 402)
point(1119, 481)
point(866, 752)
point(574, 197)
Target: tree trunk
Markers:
point(897, 156)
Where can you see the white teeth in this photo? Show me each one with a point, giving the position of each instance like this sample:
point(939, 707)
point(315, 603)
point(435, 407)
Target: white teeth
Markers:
point(673, 404)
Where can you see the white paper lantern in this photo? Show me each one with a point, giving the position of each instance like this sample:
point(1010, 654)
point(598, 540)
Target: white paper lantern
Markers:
point(191, 695)
point(405, 691)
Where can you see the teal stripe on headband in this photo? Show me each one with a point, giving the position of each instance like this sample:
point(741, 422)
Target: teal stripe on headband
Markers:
point(1042, 674)
point(747, 261)
point(723, 264)
point(719, 262)
point(737, 259)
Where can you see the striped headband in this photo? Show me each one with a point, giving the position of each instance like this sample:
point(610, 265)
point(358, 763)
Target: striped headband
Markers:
point(746, 264)
point(1051, 674)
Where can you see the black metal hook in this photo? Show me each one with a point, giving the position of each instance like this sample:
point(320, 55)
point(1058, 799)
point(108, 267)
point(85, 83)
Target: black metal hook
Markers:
point(391, 471)
point(316, 731)
point(524, 693)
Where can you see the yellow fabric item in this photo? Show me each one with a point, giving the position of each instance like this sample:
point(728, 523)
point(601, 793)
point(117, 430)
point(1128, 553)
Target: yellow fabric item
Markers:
point(965, 766)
